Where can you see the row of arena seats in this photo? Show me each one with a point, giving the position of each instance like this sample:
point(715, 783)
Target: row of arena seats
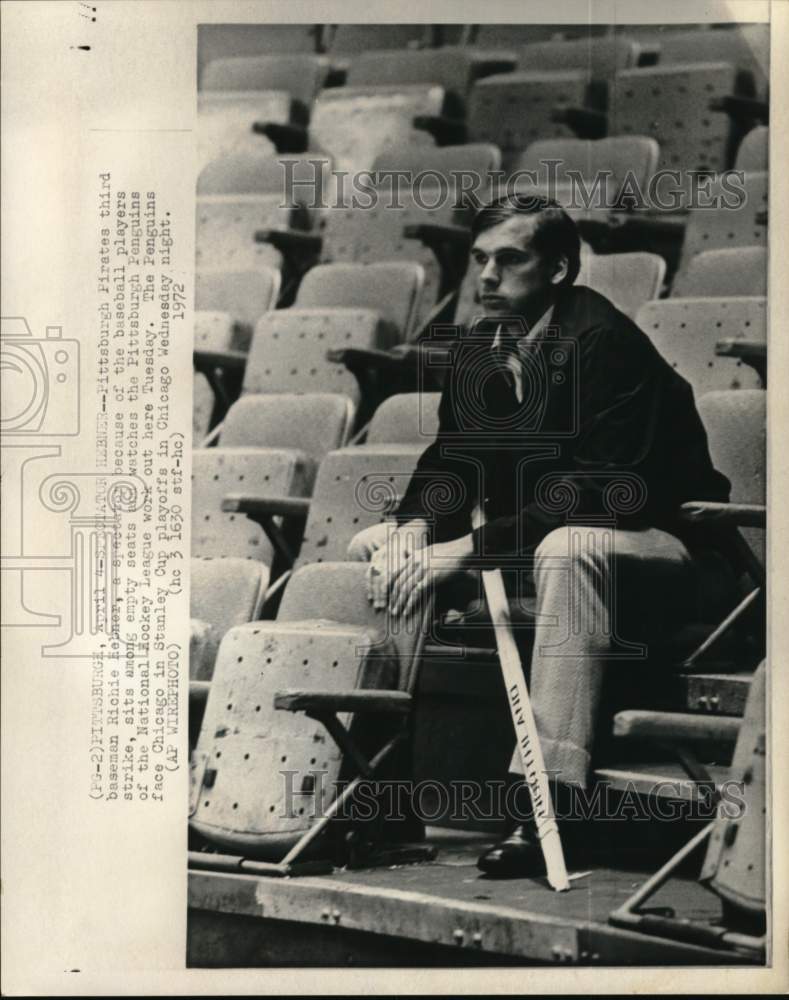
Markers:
point(697, 111)
point(312, 653)
point(349, 331)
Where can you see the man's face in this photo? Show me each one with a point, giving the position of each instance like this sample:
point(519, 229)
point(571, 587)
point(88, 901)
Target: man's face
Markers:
point(512, 279)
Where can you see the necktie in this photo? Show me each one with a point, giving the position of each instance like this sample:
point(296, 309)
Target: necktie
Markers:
point(505, 351)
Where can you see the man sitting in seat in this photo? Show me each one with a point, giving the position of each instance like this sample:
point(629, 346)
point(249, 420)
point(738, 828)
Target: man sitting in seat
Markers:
point(561, 424)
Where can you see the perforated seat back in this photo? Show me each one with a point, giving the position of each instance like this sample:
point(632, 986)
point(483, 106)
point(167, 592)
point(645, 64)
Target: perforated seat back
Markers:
point(407, 418)
point(627, 279)
point(685, 331)
point(753, 151)
point(497, 108)
point(299, 74)
point(377, 234)
point(217, 472)
point(354, 488)
point(736, 424)
point(216, 331)
point(202, 406)
point(449, 68)
point(671, 104)
point(355, 125)
point(245, 295)
point(227, 592)
point(225, 121)
point(288, 352)
point(736, 226)
point(226, 227)
point(600, 58)
point(394, 289)
point(748, 51)
point(728, 272)
point(313, 423)
point(262, 774)
point(623, 155)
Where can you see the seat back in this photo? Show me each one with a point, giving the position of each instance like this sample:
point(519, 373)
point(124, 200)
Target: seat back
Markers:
point(747, 51)
point(298, 179)
point(728, 272)
point(312, 423)
point(449, 68)
point(600, 58)
point(394, 289)
point(477, 157)
point(354, 489)
point(216, 331)
point(672, 104)
point(352, 38)
point(496, 108)
point(377, 234)
point(736, 425)
point(299, 74)
point(355, 125)
point(685, 331)
point(288, 351)
point(407, 418)
point(753, 151)
point(226, 592)
point(226, 120)
point(243, 295)
point(226, 227)
point(221, 41)
point(222, 593)
point(512, 36)
point(629, 280)
point(624, 156)
point(216, 472)
point(735, 226)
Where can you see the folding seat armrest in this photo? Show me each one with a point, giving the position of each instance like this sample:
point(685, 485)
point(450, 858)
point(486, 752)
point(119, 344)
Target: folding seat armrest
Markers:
point(337, 75)
point(362, 359)
point(229, 360)
point(287, 138)
point(324, 702)
point(752, 352)
point(259, 508)
point(450, 244)
point(737, 515)
point(299, 249)
point(587, 123)
point(744, 109)
point(446, 131)
point(761, 217)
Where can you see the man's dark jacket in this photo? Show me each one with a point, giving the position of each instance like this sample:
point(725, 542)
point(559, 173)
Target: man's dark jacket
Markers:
point(606, 428)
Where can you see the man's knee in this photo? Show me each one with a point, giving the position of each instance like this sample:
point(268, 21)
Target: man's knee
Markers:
point(575, 547)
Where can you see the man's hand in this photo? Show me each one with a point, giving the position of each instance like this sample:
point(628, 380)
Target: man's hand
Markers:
point(389, 550)
point(425, 568)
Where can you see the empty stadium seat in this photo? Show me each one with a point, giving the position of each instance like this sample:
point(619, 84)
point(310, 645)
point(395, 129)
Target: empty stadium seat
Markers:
point(618, 159)
point(221, 41)
point(217, 331)
point(497, 103)
point(334, 655)
point(244, 295)
point(732, 271)
point(352, 38)
point(226, 227)
point(222, 593)
point(299, 75)
point(295, 179)
point(407, 418)
point(394, 289)
point(745, 47)
point(512, 36)
point(687, 331)
point(453, 69)
point(740, 225)
point(446, 161)
point(600, 57)
point(289, 347)
point(753, 151)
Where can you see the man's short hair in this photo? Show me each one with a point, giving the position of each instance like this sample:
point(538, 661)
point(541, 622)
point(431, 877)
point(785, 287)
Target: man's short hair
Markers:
point(555, 233)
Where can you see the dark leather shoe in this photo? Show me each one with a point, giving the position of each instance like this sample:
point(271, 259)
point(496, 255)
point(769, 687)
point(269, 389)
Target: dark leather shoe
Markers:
point(518, 856)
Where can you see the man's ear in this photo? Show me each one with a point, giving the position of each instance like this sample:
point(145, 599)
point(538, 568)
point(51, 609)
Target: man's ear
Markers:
point(560, 270)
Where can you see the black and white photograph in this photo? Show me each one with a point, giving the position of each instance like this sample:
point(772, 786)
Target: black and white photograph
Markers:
point(478, 652)
point(393, 499)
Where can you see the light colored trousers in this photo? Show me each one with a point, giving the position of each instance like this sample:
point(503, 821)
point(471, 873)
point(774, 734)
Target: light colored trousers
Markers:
point(602, 595)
